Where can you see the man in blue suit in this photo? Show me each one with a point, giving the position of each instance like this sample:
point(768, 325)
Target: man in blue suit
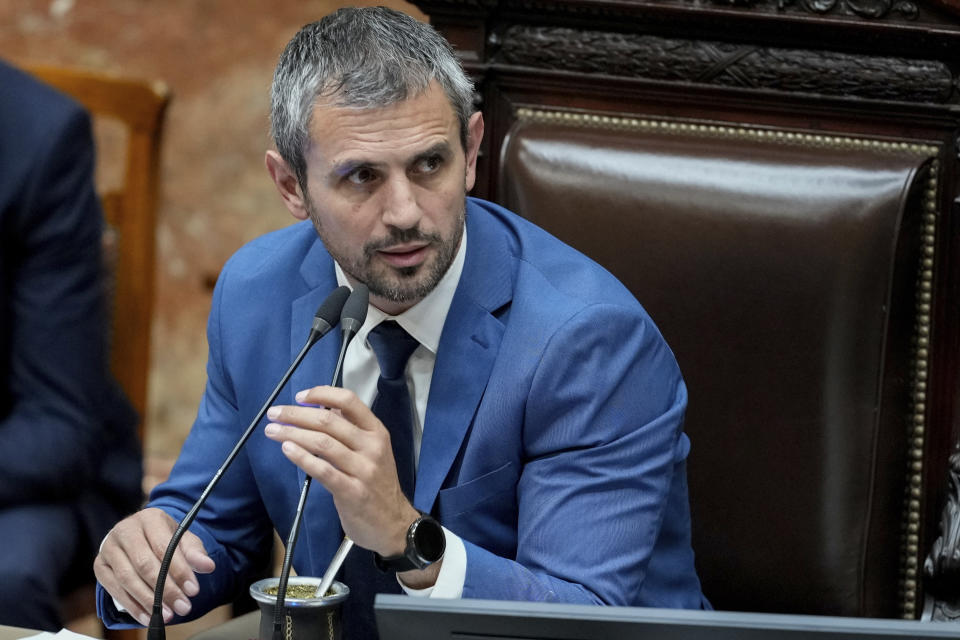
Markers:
point(69, 455)
point(546, 408)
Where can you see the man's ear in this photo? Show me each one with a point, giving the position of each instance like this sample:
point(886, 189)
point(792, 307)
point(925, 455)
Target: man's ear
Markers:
point(474, 136)
point(287, 184)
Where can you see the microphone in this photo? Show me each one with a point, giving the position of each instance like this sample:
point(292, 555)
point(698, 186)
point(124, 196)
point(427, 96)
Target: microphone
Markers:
point(325, 319)
point(351, 319)
point(328, 313)
point(354, 312)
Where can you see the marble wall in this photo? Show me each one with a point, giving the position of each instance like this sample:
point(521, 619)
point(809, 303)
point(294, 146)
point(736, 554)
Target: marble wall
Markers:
point(217, 57)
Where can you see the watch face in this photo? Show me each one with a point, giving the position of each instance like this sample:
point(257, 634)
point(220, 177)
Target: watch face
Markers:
point(429, 540)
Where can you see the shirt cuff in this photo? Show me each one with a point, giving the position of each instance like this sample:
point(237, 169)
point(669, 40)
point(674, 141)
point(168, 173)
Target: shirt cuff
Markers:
point(453, 571)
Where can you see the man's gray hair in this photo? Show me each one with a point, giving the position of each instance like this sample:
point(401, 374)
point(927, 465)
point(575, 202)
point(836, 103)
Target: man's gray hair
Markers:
point(364, 58)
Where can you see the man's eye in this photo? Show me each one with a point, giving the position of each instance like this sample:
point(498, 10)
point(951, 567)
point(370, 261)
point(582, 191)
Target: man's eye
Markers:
point(429, 164)
point(362, 175)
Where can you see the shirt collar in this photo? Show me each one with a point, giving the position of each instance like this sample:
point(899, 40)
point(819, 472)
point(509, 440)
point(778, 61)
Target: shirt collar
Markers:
point(424, 320)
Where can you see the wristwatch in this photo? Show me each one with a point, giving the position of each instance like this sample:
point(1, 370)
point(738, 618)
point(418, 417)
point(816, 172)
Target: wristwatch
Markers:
point(425, 545)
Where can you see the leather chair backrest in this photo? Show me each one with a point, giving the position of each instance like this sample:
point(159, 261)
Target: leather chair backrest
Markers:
point(783, 268)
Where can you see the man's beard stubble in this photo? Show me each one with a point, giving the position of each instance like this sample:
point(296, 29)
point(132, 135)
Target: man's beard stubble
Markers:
point(400, 285)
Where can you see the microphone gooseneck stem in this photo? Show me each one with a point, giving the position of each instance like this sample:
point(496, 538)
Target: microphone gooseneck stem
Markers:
point(352, 317)
point(278, 611)
point(156, 629)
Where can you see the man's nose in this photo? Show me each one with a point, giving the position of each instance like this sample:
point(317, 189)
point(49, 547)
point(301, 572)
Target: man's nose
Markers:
point(400, 208)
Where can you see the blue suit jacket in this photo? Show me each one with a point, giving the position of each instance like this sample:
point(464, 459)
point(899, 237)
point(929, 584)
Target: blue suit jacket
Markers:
point(552, 439)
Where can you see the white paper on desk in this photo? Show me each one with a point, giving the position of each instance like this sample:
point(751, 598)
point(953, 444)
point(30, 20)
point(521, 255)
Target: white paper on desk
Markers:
point(63, 634)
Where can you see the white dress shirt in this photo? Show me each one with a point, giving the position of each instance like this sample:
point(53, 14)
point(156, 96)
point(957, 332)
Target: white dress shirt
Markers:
point(424, 321)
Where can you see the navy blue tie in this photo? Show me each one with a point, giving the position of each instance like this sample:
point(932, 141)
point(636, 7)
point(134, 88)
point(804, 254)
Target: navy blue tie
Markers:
point(393, 347)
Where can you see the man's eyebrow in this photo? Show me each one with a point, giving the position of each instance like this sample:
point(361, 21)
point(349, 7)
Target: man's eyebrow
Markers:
point(439, 149)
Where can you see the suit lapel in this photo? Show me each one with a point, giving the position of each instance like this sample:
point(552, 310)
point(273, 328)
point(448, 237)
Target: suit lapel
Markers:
point(316, 369)
point(320, 278)
point(466, 353)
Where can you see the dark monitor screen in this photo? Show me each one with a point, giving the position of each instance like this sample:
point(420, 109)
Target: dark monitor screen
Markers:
point(409, 618)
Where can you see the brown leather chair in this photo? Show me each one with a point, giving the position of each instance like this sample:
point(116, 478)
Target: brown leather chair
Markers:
point(785, 270)
point(779, 184)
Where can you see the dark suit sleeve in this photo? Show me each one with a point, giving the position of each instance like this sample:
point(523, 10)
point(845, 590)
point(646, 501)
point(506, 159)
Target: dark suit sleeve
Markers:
point(57, 368)
point(604, 461)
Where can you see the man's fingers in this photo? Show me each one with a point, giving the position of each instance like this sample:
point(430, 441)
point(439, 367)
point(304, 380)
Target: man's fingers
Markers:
point(129, 563)
point(196, 555)
point(189, 558)
point(120, 577)
point(319, 443)
point(333, 479)
point(347, 449)
point(140, 613)
point(355, 411)
point(316, 419)
point(178, 574)
point(108, 578)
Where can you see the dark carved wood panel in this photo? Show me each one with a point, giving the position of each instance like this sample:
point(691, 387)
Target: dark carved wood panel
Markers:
point(904, 11)
point(726, 64)
point(863, 8)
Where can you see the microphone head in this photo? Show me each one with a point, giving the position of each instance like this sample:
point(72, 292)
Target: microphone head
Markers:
point(355, 309)
point(328, 314)
point(329, 310)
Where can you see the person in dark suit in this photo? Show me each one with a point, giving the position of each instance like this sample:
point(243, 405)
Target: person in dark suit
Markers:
point(69, 454)
point(545, 406)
